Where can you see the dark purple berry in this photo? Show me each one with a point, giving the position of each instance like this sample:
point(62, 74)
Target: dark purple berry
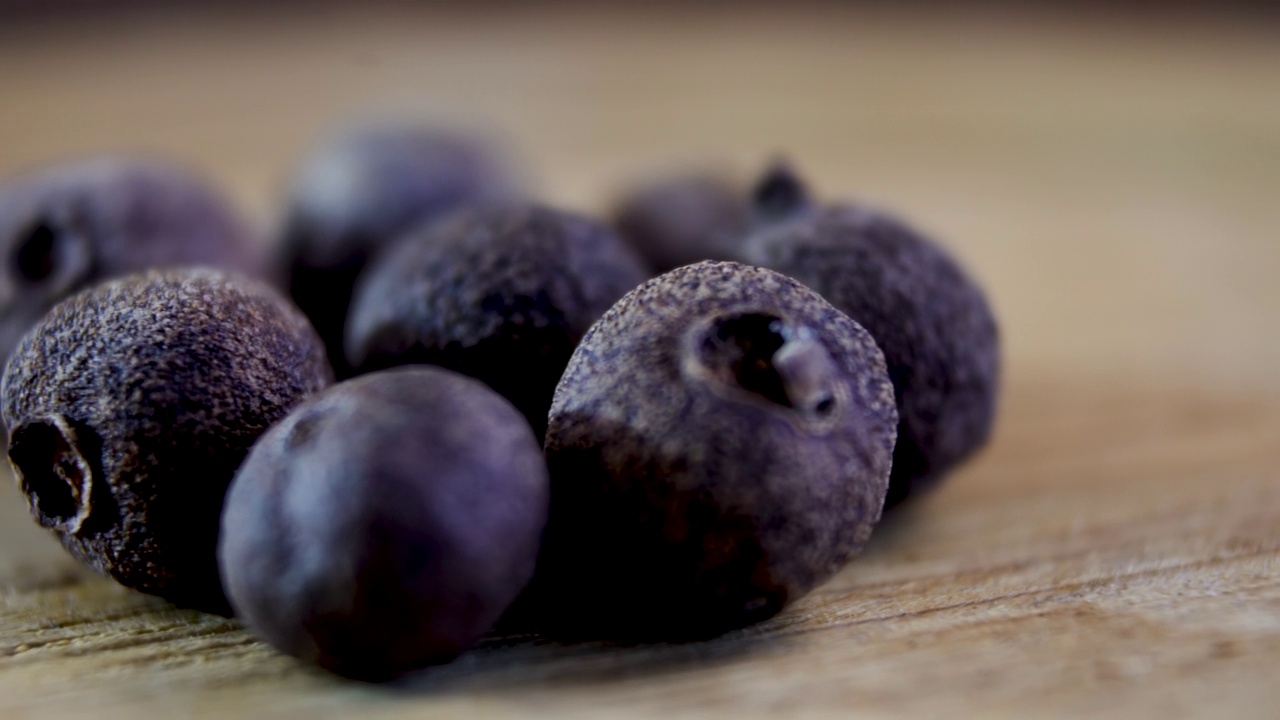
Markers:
point(928, 316)
point(719, 445)
point(502, 294)
point(386, 523)
point(132, 404)
point(683, 219)
point(362, 189)
point(75, 224)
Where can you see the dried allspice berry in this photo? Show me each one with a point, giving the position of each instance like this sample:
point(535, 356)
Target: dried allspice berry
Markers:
point(719, 445)
point(71, 225)
point(929, 317)
point(359, 191)
point(386, 523)
point(683, 219)
point(502, 294)
point(130, 406)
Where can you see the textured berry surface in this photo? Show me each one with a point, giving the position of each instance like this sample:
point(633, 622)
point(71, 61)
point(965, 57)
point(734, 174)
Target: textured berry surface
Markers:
point(501, 294)
point(386, 523)
point(132, 404)
point(928, 316)
point(719, 445)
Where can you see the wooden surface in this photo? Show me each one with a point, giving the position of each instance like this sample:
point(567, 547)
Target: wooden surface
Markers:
point(1115, 551)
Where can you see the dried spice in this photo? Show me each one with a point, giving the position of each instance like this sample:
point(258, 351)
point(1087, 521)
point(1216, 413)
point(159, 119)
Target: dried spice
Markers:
point(130, 406)
point(386, 523)
point(719, 445)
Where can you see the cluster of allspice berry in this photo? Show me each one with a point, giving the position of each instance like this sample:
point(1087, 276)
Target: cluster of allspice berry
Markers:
point(660, 428)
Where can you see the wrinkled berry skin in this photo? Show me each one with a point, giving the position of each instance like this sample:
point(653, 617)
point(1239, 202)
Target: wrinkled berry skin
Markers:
point(386, 523)
point(719, 445)
point(132, 404)
point(683, 219)
point(74, 224)
point(930, 319)
point(502, 294)
point(358, 192)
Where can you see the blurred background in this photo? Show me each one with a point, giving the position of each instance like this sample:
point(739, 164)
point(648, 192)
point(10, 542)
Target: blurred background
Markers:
point(1102, 168)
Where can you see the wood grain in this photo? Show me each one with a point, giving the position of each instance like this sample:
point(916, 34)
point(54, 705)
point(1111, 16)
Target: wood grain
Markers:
point(1114, 552)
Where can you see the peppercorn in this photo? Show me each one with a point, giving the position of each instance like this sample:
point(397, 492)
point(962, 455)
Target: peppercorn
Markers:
point(386, 523)
point(132, 403)
point(719, 445)
point(683, 219)
point(502, 294)
point(359, 191)
point(929, 317)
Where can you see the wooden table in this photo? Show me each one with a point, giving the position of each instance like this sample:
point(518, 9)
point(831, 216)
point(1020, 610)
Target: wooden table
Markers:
point(1116, 550)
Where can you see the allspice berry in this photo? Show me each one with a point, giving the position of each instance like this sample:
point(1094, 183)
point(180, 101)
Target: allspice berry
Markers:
point(386, 523)
point(720, 444)
point(130, 406)
point(683, 219)
point(68, 226)
point(502, 294)
point(359, 191)
point(929, 317)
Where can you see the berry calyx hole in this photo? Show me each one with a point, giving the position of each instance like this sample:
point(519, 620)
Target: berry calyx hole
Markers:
point(783, 363)
point(51, 472)
point(825, 405)
point(34, 258)
point(739, 350)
